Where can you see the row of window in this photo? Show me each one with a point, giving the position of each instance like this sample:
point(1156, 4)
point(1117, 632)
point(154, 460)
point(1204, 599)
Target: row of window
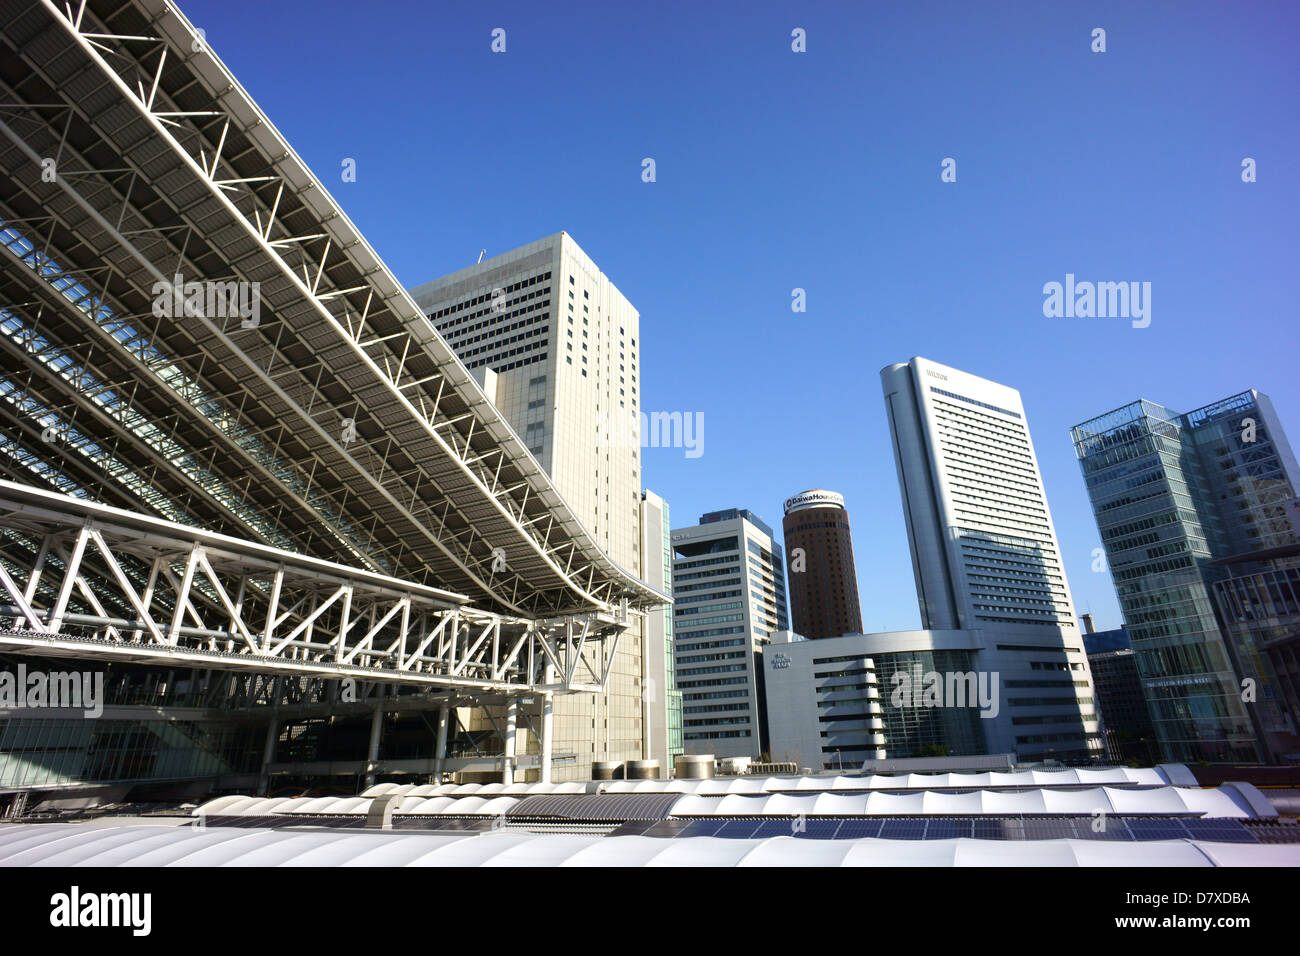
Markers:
point(974, 401)
point(487, 297)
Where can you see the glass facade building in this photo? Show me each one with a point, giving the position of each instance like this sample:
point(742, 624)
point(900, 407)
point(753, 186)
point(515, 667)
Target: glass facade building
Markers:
point(663, 711)
point(1127, 725)
point(52, 752)
point(912, 730)
point(1260, 613)
point(153, 726)
point(1183, 503)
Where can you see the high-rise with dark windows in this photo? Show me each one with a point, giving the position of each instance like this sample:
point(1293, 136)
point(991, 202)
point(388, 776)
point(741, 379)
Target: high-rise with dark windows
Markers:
point(1196, 514)
point(823, 581)
point(1124, 717)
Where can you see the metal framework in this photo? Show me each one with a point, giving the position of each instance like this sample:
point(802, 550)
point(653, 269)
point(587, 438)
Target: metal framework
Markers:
point(104, 583)
point(339, 424)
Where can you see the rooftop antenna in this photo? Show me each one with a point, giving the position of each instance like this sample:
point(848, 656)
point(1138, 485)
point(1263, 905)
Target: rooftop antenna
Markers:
point(481, 254)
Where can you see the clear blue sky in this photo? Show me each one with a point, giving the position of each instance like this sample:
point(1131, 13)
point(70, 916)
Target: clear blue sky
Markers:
point(821, 171)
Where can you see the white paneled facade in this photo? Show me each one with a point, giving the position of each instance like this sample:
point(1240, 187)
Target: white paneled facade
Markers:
point(564, 344)
point(985, 553)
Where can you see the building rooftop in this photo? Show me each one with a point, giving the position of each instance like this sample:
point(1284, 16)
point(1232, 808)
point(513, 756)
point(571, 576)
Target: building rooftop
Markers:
point(99, 845)
point(1062, 817)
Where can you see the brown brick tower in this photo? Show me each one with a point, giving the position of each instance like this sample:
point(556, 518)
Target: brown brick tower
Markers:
point(819, 555)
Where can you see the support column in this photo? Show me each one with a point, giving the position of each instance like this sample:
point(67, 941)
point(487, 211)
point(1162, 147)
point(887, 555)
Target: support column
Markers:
point(372, 753)
point(268, 754)
point(512, 727)
point(544, 758)
point(440, 751)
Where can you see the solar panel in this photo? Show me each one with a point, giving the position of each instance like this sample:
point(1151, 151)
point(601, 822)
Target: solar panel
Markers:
point(825, 829)
point(947, 829)
point(775, 828)
point(703, 828)
point(665, 829)
point(858, 829)
point(988, 829)
point(635, 828)
point(741, 829)
point(1157, 829)
point(1220, 831)
point(903, 830)
point(1103, 828)
point(1049, 830)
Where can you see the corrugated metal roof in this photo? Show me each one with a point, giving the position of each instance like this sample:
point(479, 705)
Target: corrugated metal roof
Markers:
point(597, 806)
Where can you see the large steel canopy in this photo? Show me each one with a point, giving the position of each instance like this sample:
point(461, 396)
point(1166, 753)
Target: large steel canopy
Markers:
point(163, 165)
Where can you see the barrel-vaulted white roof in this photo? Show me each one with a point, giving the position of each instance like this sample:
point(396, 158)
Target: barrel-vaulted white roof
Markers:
point(1222, 802)
point(1067, 777)
point(108, 845)
point(489, 801)
point(459, 806)
point(473, 789)
point(482, 804)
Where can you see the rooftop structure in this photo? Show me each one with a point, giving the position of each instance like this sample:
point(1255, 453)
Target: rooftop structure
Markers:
point(1038, 818)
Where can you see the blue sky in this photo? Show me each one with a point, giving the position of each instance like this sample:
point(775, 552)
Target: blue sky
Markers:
point(821, 170)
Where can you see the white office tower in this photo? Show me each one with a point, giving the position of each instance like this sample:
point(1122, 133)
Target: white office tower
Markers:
point(556, 348)
point(728, 600)
point(985, 553)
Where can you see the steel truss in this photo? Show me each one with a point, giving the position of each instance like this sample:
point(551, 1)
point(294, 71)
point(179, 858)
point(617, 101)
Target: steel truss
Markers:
point(162, 165)
point(87, 580)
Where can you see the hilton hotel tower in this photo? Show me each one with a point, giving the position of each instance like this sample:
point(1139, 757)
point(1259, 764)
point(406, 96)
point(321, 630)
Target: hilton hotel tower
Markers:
point(985, 554)
point(556, 347)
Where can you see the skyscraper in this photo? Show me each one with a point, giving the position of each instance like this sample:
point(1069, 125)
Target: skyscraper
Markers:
point(663, 705)
point(728, 599)
point(1193, 514)
point(1125, 719)
point(985, 554)
point(823, 580)
point(555, 346)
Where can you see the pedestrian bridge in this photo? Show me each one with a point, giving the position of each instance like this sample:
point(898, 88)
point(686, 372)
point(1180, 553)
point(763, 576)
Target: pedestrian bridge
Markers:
point(87, 580)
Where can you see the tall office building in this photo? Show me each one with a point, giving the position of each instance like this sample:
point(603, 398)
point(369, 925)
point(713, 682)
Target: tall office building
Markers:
point(1194, 514)
point(663, 704)
point(1124, 716)
point(823, 581)
point(555, 346)
point(985, 554)
point(728, 599)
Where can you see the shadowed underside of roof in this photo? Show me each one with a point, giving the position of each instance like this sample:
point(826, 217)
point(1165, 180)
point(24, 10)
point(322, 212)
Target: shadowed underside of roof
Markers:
point(337, 423)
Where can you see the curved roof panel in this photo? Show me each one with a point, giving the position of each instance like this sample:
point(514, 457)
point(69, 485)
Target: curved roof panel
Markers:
point(101, 844)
